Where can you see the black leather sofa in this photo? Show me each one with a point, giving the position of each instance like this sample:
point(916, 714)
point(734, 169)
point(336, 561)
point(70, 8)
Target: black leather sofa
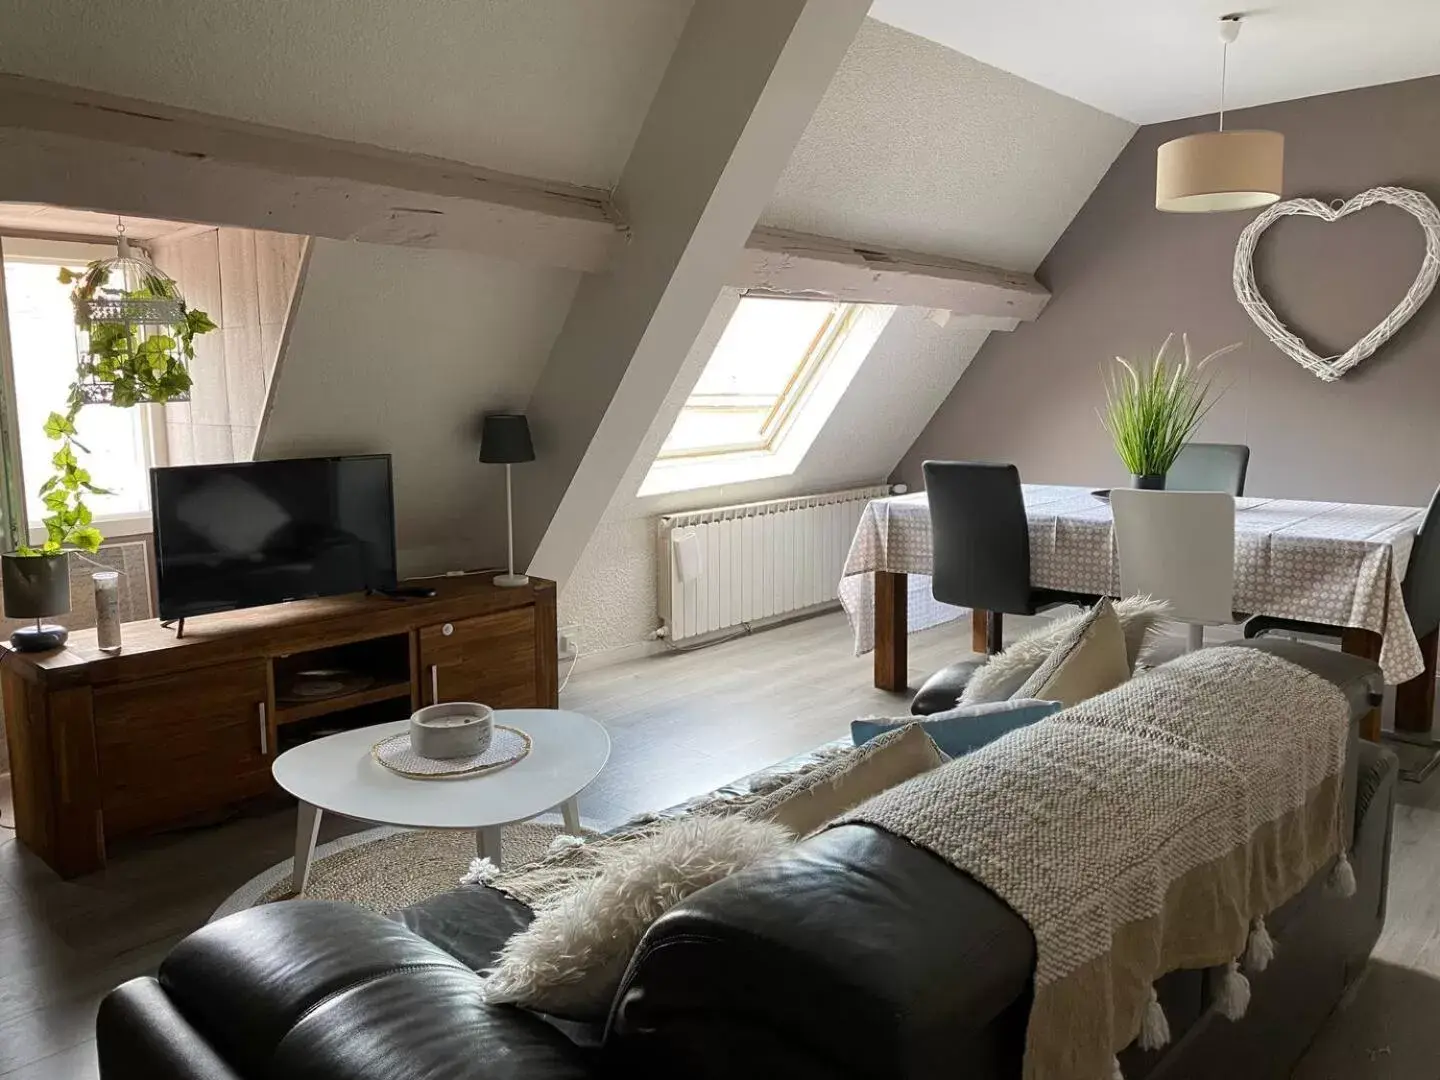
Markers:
point(856, 956)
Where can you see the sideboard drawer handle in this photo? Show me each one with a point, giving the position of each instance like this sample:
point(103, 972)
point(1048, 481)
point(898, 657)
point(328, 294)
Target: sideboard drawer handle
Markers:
point(447, 629)
point(434, 684)
point(264, 732)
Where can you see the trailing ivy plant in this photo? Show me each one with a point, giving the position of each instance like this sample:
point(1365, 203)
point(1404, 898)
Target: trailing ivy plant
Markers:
point(137, 369)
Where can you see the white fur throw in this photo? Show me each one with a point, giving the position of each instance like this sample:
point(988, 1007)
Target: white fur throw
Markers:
point(1004, 673)
point(570, 960)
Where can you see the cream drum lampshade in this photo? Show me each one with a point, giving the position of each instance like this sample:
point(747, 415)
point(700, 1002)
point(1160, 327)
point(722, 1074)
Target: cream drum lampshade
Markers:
point(1219, 170)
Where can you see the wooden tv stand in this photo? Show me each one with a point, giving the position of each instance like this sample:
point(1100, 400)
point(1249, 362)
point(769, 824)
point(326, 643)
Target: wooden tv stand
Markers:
point(181, 730)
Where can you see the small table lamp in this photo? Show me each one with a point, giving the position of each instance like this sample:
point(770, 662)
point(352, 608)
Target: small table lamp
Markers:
point(504, 440)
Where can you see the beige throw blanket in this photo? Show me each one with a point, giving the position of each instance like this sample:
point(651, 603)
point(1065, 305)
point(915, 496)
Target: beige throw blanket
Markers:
point(1138, 833)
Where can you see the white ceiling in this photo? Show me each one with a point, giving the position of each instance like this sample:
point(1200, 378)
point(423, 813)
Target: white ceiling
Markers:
point(1154, 60)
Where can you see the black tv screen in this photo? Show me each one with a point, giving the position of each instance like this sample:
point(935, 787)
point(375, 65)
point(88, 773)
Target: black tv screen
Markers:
point(234, 536)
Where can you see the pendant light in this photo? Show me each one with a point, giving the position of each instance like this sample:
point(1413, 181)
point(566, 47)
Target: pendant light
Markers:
point(1220, 170)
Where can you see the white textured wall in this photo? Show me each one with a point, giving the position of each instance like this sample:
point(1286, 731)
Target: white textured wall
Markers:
point(549, 88)
point(400, 351)
point(612, 594)
point(913, 146)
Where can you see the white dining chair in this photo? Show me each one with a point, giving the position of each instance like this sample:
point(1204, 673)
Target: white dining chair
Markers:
point(1179, 546)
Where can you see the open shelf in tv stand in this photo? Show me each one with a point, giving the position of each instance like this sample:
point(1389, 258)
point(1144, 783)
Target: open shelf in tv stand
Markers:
point(178, 730)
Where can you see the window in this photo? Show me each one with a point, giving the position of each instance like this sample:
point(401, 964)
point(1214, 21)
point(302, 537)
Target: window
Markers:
point(776, 373)
point(42, 345)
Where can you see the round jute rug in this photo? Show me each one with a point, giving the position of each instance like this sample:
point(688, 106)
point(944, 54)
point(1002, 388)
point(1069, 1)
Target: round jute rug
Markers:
point(386, 869)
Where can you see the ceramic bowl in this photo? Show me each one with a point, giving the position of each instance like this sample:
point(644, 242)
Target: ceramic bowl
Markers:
point(453, 729)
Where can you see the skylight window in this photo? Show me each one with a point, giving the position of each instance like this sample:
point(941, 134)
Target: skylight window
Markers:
point(777, 372)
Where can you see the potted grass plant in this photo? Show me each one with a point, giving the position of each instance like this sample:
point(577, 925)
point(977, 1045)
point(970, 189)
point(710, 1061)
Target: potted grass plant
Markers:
point(1151, 410)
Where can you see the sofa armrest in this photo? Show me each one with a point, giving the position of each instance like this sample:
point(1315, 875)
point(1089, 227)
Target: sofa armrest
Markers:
point(1378, 774)
point(855, 954)
point(322, 991)
point(142, 1036)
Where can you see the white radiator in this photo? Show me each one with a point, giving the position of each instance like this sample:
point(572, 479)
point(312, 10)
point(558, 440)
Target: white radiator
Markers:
point(734, 564)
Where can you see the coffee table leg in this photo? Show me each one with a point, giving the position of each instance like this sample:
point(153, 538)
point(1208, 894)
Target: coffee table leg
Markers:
point(307, 828)
point(570, 808)
point(487, 844)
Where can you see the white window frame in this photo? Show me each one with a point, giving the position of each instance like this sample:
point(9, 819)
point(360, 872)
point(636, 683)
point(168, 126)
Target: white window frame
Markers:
point(790, 400)
point(797, 417)
point(150, 416)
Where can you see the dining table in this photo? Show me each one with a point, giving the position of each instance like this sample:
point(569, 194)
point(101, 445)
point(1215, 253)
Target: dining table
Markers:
point(1340, 564)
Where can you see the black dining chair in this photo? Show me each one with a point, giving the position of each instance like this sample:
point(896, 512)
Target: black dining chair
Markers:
point(980, 540)
point(1420, 590)
point(981, 544)
point(1210, 467)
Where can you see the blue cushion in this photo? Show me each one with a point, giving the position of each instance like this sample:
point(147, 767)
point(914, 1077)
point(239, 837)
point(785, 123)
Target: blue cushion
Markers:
point(966, 728)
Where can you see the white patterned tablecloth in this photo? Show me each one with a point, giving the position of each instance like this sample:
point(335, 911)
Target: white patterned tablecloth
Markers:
point(1334, 563)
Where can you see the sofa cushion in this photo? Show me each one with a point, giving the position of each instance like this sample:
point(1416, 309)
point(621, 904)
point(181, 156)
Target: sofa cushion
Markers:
point(855, 954)
point(966, 727)
point(844, 782)
point(470, 923)
point(246, 980)
point(1088, 661)
point(942, 690)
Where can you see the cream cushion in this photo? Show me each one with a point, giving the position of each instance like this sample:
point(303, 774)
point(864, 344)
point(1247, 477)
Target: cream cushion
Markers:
point(1004, 673)
point(1090, 660)
point(805, 804)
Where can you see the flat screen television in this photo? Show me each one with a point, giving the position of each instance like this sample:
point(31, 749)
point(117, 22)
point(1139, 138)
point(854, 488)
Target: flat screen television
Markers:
point(236, 536)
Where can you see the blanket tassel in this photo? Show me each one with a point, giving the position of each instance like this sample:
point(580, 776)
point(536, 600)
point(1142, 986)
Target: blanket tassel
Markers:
point(1342, 878)
point(1233, 997)
point(1155, 1028)
point(564, 842)
point(1261, 948)
point(481, 872)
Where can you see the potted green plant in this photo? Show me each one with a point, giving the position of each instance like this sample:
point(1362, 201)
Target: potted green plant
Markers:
point(135, 336)
point(1152, 410)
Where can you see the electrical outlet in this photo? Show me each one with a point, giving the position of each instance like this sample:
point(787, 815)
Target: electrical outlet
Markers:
point(569, 641)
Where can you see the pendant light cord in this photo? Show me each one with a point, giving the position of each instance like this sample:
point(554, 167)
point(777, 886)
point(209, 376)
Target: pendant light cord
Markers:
point(1224, 70)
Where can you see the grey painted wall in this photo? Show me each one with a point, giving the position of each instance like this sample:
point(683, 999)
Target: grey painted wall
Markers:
point(1123, 275)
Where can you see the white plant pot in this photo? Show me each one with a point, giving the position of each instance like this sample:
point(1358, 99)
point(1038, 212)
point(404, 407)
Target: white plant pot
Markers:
point(453, 729)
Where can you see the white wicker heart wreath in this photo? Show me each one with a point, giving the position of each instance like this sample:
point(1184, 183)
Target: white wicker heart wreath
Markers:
point(1331, 368)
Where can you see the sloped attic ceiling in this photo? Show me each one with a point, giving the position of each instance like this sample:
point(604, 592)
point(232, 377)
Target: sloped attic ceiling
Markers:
point(547, 88)
point(918, 146)
point(915, 146)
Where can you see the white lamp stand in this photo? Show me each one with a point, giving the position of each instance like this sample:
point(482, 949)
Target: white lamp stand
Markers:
point(512, 580)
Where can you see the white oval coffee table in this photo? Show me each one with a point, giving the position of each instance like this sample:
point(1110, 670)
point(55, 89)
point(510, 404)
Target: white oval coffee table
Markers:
point(338, 775)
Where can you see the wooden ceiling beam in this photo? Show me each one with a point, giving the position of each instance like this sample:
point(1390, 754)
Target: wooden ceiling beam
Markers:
point(785, 263)
point(80, 148)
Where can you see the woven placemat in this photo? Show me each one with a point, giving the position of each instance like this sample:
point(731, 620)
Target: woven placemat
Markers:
point(507, 746)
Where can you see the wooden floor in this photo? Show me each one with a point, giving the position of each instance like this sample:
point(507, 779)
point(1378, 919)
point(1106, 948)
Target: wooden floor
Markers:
point(681, 724)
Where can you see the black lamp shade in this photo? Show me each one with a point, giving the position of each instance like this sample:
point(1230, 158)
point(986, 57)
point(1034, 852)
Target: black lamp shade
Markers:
point(505, 439)
point(35, 586)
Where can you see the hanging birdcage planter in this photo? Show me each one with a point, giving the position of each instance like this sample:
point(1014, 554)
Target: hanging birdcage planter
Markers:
point(134, 335)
